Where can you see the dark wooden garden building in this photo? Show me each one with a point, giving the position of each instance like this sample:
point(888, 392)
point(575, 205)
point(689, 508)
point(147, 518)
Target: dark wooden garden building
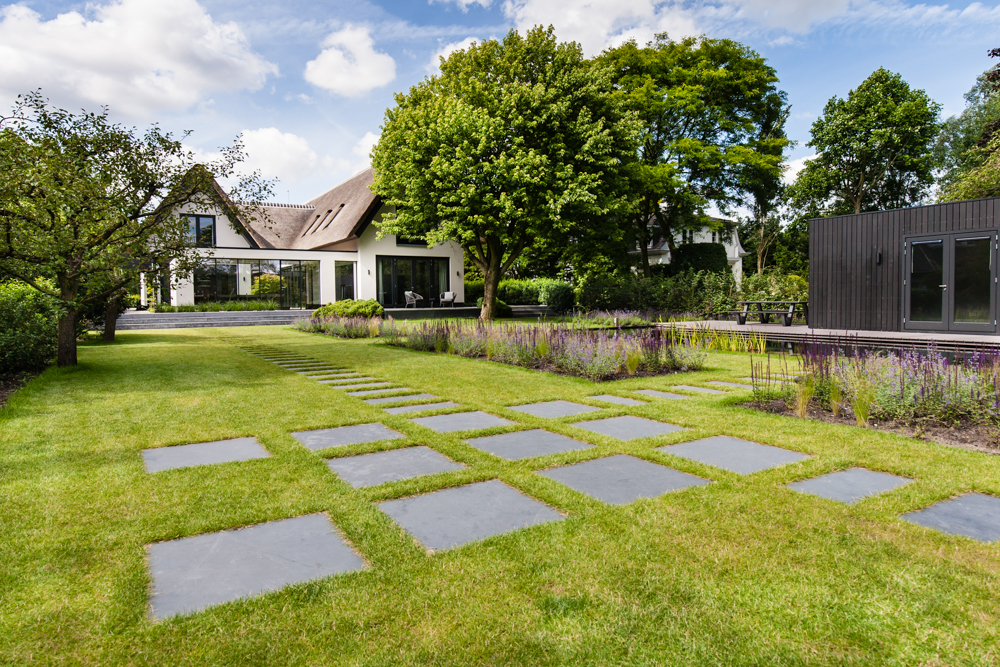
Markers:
point(926, 268)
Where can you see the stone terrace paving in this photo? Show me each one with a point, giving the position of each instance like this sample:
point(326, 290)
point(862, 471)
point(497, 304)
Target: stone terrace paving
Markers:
point(192, 573)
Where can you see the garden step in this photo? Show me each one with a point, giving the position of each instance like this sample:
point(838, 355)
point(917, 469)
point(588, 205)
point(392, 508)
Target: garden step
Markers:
point(144, 320)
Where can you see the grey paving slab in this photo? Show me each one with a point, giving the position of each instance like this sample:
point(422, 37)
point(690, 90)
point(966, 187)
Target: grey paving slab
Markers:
point(319, 371)
point(974, 515)
point(391, 466)
point(700, 390)
point(335, 377)
point(850, 486)
point(345, 435)
point(618, 400)
point(193, 573)
point(621, 479)
point(553, 409)
point(628, 428)
point(461, 421)
point(363, 385)
point(398, 399)
point(773, 379)
point(733, 454)
point(523, 444)
point(369, 392)
point(336, 382)
point(453, 517)
point(734, 385)
point(653, 393)
point(423, 407)
point(202, 453)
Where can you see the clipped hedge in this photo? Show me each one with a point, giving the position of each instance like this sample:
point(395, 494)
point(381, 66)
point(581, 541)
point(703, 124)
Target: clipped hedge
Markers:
point(28, 328)
point(474, 289)
point(556, 294)
point(702, 292)
point(350, 308)
point(699, 257)
point(500, 310)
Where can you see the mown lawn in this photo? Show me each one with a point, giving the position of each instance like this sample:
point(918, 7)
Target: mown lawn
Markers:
point(741, 571)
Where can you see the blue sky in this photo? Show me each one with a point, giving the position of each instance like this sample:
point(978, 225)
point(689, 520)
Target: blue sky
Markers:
point(308, 82)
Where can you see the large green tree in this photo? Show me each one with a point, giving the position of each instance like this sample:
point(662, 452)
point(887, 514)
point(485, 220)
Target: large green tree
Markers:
point(516, 143)
point(89, 203)
point(713, 131)
point(874, 149)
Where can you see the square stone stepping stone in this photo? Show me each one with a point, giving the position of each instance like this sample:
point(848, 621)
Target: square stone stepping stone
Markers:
point(461, 421)
point(553, 409)
point(739, 456)
point(621, 479)
point(369, 392)
point(202, 453)
point(734, 385)
point(974, 515)
point(345, 435)
point(346, 381)
point(453, 517)
point(391, 466)
point(524, 444)
point(423, 407)
point(700, 390)
point(628, 428)
point(398, 399)
point(653, 393)
point(363, 385)
point(193, 573)
point(319, 371)
point(850, 486)
point(617, 400)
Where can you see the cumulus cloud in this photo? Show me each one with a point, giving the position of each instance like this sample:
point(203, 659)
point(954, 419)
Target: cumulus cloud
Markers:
point(463, 4)
point(794, 167)
point(363, 149)
point(278, 154)
point(349, 65)
point(136, 56)
point(445, 51)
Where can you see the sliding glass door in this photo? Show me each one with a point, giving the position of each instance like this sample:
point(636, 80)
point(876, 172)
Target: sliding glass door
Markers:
point(425, 276)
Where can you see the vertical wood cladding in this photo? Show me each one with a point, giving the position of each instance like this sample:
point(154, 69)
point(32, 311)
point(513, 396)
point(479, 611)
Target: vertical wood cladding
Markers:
point(848, 289)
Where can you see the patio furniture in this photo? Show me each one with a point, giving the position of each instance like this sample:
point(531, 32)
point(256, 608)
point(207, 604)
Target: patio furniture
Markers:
point(786, 309)
point(447, 298)
point(411, 299)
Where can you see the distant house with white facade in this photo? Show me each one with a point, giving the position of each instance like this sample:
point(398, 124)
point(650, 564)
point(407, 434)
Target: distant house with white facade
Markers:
point(307, 255)
point(659, 252)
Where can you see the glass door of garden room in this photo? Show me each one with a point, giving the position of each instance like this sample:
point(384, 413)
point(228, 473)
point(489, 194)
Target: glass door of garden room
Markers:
point(950, 282)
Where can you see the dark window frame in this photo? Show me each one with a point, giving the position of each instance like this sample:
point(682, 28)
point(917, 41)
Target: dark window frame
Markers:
point(195, 219)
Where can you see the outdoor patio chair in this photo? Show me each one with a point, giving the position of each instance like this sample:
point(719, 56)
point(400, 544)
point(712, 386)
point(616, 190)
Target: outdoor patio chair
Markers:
point(447, 298)
point(412, 298)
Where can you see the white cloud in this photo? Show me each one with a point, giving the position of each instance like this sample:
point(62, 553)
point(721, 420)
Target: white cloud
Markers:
point(445, 51)
point(463, 4)
point(794, 167)
point(278, 154)
point(136, 56)
point(363, 148)
point(349, 65)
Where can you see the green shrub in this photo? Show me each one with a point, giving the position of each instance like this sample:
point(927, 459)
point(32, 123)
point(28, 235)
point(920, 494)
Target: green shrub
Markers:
point(350, 308)
point(474, 289)
point(556, 294)
point(266, 283)
point(501, 310)
point(218, 307)
point(28, 328)
point(773, 285)
point(701, 292)
point(699, 257)
point(518, 292)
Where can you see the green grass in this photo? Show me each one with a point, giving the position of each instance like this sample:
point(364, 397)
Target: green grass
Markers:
point(738, 572)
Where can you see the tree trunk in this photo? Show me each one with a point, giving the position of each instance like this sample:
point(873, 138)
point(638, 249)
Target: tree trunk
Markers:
point(643, 245)
point(110, 318)
point(66, 355)
point(491, 284)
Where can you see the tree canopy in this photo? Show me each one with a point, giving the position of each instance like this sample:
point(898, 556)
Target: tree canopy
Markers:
point(89, 203)
point(713, 130)
point(516, 143)
point(874, 149)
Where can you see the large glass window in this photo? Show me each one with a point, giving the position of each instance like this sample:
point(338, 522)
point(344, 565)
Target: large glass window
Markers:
point(427, 276)
point(202, 230)
point(927, 281)
point(344, 272)
point(294, 283)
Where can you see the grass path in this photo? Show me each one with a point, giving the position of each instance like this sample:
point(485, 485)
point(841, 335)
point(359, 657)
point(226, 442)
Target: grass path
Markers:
point(741, 571)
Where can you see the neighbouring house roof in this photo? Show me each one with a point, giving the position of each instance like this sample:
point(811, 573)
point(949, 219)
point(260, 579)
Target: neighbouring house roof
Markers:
point(339, 214)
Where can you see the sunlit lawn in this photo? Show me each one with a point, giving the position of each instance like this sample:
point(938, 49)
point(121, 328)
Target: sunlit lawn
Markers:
point(741, 571)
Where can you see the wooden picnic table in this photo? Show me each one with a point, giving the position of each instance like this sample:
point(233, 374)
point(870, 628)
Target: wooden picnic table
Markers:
point(786, 309)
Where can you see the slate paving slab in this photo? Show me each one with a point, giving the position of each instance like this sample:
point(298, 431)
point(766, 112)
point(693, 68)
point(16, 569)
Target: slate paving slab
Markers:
point(618, 400)
point(553, 409)
point(202, 453)
point(369, 392)
point(461, 421)
point(193, 573)
point(336, 382)
point(734, 385)
point(850, 486)
point(773, 379)
point(319, 371)
point(733, 454)
point(391, 466)
point(628, 427)
point(363, 385)
point(974, 515)
point(423, 407)
point(700, 390)
point(524, 444)
point(653, 393)
point(453, 517)
point(622, 479)
point(398, 399)
point(346, 435)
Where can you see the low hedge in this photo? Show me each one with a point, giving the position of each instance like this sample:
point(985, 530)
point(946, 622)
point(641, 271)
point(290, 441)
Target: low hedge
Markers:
point(29, 332)
point(350, 308)
point(500, 310)
point(556, 294)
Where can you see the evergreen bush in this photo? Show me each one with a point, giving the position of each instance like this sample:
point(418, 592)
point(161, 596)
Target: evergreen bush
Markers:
point(28, 328)
point(350, 308)
point(699, 257)
point(501, 310)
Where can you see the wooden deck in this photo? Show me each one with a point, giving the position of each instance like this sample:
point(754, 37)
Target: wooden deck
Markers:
point(945, 342)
